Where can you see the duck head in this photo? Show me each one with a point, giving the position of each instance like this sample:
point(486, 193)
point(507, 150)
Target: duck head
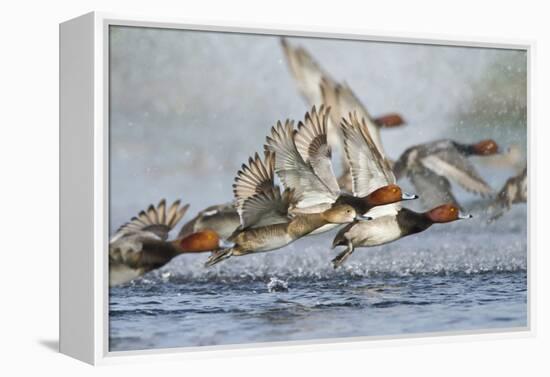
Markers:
point(387, 195)
point(389, 120)
point(446, 213)
point(205, 240)
point(342, 214)
point(485, 147)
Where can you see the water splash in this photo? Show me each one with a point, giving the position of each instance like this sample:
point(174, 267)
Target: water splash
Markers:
point(277, 285)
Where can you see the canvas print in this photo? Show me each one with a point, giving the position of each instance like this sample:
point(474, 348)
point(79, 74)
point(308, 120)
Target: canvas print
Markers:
point(268, 188)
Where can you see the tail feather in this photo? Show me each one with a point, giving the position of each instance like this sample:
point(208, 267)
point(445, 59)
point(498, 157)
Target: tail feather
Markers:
point(217, 256)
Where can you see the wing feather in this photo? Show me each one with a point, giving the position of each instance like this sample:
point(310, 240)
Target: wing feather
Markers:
point(295, 173)
point(369, 169)
point(152, 223)
point(311, 142)
point(341, 99)
point(258, 200)
point(451, 164)
point(306, 72)
point(434, 189)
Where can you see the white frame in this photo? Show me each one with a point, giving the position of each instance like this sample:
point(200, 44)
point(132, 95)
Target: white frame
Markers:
point(84, 165)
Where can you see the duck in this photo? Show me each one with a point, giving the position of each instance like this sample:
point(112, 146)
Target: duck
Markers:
point(266, 223)
point(303, 164)
point(431, 166)
point(389, 222)
point(514, 191)
point(387, 229)
point(141, 245)
point(222, 218)
point(317, 87)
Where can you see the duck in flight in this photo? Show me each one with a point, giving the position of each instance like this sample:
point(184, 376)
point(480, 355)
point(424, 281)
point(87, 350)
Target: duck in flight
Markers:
point(369, 168)
point(514, 191)
point(142, 244)
point(266, 223)
point(317, 87)
point(303, 164)
point(432, 166)
point(431, 183)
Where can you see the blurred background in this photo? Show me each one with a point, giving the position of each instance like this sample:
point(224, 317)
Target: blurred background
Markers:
point(187, 108)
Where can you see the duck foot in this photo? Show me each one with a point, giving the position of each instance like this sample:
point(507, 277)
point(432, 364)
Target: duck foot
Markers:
point(217, 256)
point(343, 256)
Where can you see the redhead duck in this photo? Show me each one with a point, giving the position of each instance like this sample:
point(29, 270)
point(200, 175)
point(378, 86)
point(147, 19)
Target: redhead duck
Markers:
point(318, 87)
point(142, 244)
point(514, 191)
point(266, 223)
point(430, 166)
point(369, 169)
point(222, 218)
point(303, 164)
point(386, 229)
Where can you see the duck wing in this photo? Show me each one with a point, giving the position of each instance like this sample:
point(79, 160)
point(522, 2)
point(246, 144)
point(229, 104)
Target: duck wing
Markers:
point(306, 72)
point(513, 191)
point(155, 222)
point(266, 208)
point(220, 213)
point(311, 142)
point(433, 189)
point(295, 173)
point(341, 99)
point(133, 242)
point(450, 163)
point(369, 168)
point(258, 200)
point(308, 75)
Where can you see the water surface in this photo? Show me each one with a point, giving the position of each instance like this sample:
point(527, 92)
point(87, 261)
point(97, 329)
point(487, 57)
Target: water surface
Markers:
point(451, 278)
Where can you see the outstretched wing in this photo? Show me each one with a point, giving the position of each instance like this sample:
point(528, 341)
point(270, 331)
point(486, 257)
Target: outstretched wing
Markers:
point(306, 71)
point(513, 191)
point(311, 142)
point(434, 189)
point(155, 222)
point(452, 164)
point(341, 99)
point(295, 173)
point(369, 168)
point(308, 75)
point(259, 201)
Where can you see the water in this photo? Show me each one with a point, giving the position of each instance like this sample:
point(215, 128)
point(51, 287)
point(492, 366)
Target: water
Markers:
point(463, 276)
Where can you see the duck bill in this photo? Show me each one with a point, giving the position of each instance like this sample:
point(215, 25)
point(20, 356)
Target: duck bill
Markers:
point(462, 215)
point(363, 218)
point(407, 196)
